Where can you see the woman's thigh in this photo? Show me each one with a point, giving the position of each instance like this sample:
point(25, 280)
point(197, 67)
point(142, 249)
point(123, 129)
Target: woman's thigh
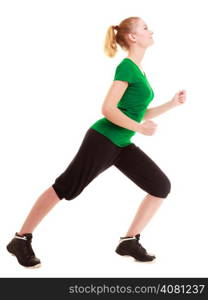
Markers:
point(143, 171)
point(95, 154)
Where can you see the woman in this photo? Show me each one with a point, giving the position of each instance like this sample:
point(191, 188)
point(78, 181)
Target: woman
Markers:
point(108, 142)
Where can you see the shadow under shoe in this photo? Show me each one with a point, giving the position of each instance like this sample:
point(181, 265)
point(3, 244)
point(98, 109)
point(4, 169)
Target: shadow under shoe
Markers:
point(20, 246)
point(131, 246)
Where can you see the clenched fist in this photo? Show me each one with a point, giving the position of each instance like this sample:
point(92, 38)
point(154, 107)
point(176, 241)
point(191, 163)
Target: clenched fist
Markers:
point(148, 127)
point(179, 98)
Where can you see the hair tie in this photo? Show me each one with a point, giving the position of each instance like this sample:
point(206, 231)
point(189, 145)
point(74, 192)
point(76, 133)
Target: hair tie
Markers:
point(116, 27)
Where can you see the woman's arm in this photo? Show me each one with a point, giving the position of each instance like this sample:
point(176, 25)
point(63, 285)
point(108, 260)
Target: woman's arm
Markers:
point(119, 118)
point(158, 110)
point(110, 110)
point(178, 99)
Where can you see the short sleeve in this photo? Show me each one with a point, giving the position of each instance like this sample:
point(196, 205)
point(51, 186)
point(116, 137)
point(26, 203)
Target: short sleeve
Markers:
point(124, 72)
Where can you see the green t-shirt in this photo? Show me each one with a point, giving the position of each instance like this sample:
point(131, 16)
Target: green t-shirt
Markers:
point(133, 103)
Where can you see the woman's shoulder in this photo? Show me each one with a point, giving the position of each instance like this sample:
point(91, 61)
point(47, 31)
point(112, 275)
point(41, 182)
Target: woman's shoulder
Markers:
point(124, 64)
point(124, 61)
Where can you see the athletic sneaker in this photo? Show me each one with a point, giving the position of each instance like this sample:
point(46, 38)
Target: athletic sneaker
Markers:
point(130, 246)
point(20, 246)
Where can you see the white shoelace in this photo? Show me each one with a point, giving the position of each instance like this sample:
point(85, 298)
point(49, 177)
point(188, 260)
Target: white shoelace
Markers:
point(125, 239)
point(21, 237)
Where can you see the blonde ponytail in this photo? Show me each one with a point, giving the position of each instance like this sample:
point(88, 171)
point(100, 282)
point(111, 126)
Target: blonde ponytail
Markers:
point(110, 46)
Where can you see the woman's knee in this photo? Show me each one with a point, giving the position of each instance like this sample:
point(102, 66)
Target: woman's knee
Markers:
point(66, 193)
point(162, 187)
point(165, 186)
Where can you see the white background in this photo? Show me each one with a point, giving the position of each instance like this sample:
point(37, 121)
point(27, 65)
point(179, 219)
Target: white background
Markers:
point(54, 76)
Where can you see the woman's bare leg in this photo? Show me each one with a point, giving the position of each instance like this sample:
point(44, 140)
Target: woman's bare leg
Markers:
point(145, 212)
point(46, 201)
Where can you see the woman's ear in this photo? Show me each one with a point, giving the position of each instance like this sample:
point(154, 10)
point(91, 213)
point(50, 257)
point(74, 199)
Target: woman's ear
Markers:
point(131, 36)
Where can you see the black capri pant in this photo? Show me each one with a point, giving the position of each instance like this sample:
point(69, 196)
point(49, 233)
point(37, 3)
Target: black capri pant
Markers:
point(96, 154)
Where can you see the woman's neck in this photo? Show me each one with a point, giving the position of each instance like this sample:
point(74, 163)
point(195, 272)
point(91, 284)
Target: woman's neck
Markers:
point(136, 55)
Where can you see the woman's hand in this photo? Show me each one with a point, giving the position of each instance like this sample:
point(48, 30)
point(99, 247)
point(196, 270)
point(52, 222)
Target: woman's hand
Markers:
point(179, 98)
point(148, 127)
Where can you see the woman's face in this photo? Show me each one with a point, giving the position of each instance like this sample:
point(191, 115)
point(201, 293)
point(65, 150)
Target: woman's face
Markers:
point(142, 36)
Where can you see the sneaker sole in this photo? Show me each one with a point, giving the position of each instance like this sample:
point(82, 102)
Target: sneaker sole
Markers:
point(29, 267)
point(135, 259)
point(34, 267)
